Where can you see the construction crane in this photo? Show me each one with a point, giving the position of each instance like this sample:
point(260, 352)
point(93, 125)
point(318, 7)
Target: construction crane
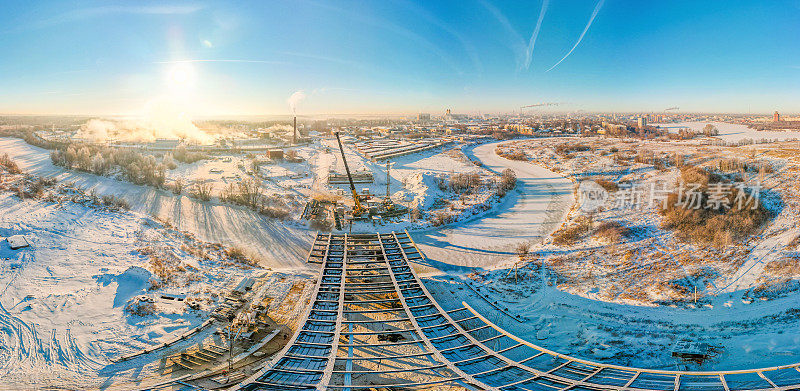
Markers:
point(387, 202)
point(358, 209)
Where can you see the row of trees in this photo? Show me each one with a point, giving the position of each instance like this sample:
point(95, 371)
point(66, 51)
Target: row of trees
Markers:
point(471, 182)
point(249, 193)
point(145, 169)
point(133, 166)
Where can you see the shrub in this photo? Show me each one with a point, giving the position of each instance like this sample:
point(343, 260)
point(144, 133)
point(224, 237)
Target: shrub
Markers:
point(114, 202)
point(508, 181)
point(415, 214)
point(177, 186)
point(571, 234)
point(566, 148)
point(612, 231)
point(238, 255)
point(201, 190)
point(442, 217)
point(512, 155)
point(607, 185)
point(464, 182)
point(135, 167)
point(182, 155)
point(140, 308)
point(275, 212)
point(9, 164)
point(246, 192)
point(714, 226)
point(710, 130)
point(522, 250)
point(169, 162)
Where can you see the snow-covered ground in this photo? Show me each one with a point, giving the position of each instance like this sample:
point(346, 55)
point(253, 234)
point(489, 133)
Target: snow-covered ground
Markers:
point(733, 132)
point(529, 213)
point(402, 169)
point(63, 299)
point(754, 335)
point(276, 243)
point(748, 333)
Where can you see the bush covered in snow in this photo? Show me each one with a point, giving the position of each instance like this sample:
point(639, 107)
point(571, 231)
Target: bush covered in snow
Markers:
point(570, 234)
point(507, 181)
point(9, 164)
point(135, 167)
point(718, 226)
point(140, 307)
point(612, 231)
point(512, 155)
point(249, 193)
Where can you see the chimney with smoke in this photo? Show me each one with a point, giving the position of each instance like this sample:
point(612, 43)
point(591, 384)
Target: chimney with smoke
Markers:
point(294, 135)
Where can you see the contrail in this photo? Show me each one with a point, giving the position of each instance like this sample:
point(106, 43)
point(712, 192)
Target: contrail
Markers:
point(532, 43)
point(594, 14)
point(241, 61)
point(517, 43)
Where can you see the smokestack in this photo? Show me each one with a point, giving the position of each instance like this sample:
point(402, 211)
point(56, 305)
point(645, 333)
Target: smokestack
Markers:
point(294, 136)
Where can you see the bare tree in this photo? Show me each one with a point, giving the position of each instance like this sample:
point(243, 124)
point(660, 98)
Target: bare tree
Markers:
point(177, 186)
point(202, 190)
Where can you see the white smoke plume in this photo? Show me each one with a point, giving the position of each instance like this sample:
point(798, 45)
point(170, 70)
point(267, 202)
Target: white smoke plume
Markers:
point(295, 99)
point(159, 120)
point(280, 128)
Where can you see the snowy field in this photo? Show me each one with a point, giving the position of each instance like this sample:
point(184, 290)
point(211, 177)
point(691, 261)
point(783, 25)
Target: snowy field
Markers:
point(277, 244)
point(406, 173)
point(63, 300)
point(753, 335)
point(80, 265)
point(733, 132)
point(749, 330)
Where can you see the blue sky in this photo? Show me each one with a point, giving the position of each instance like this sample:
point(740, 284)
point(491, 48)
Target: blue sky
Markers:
point(399, 56)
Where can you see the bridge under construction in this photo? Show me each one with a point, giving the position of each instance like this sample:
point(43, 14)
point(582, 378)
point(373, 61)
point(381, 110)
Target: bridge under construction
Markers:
point(373, 325)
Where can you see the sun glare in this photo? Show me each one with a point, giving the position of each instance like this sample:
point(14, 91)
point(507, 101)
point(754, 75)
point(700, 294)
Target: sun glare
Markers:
point(181, 76)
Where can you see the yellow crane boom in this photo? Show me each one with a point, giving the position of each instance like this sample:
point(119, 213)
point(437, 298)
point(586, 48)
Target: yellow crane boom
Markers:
point(358, 208)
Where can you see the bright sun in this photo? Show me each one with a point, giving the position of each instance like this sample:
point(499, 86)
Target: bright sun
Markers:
point(181, 75)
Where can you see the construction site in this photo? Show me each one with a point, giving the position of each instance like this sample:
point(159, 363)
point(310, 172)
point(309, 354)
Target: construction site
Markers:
point(372, 324)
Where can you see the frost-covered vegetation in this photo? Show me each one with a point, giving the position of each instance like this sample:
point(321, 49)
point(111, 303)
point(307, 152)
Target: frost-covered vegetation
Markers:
point(733, 220)
point(131, 165)
point(659, 251)
point(469, 192)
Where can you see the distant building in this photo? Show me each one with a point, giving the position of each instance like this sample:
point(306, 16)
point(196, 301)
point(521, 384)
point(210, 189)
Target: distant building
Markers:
point(642, 122)
point(424, 117)
point(776, 117)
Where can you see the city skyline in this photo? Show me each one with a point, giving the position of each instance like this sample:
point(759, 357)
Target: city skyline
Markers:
point(207, 59)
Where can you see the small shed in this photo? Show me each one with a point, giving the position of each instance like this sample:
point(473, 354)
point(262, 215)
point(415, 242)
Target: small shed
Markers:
point(17, 242)
point(275, 154)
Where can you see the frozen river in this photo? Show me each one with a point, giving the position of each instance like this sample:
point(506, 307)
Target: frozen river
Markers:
point(529, 213)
